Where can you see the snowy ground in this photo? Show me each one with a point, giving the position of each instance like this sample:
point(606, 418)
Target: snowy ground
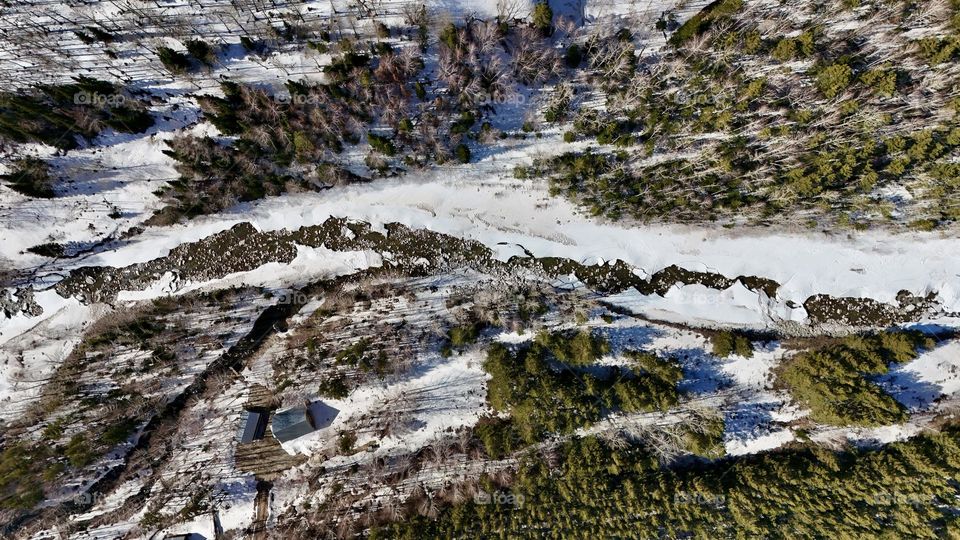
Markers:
point(482, 204)
point(480, 201)
point(448, 394)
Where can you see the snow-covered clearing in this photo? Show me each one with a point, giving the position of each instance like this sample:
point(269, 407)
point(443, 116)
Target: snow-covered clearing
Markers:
point(935, 373)
point(445, 393)
point(482, 204)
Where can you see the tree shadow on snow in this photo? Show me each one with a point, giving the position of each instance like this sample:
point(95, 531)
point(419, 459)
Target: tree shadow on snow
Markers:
point(906, 387)
point(622, 339)
point(749, 420)
point(703, 372)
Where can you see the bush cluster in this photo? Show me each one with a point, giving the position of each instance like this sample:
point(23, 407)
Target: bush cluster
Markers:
point(199, 53)
point(717, 11)
point(31, 177)
point(546, 389)
point(902, 490)
point(788, 49)
point(832, 80)
point(833, 382)
point(63, 115)
point(729, 342)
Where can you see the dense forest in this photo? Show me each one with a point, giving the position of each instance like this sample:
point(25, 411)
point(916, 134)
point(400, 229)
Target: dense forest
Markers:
point(903, 490)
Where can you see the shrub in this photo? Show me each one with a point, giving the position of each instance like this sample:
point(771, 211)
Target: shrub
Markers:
point(752, 42)
point(578, 349)
point(459, 337)
point(615, 133)
point(754, 89)
point(201, 50)
point(176, 62)
point(848, 108)
point(334, 387)
point(726, 343)
point(702, 21)
point(806, 44)
point(831, 381)
point(498, 436)
point(127, 119)
point(462, 153)
point(705, 438)
point(937, 51)
point(463, 335)
point(52, 472)
point(30, 177)
point(54, 430)
point(653, 386)
point(381, 144)
point(51, 249)
point(805, 491)
point(543, 18)
point(464, 123)
point(924, 224)
point(789, 48)
point(569, 136)
point(359, 355)
point(834, 79)
point(573, 56)
point(119, 432)
point(544, 399)
point(785, 50)
point(450, 36)
point(346, 440)
point(20, 487)
point(78, 452)
point(303, 147)
point(49, 113)
point(881, 81)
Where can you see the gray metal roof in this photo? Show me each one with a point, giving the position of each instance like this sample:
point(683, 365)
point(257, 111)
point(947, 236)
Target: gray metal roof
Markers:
point(296, 422)
point(255, 426)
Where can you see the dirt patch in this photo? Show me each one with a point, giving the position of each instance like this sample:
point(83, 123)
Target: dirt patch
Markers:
point(265, 458)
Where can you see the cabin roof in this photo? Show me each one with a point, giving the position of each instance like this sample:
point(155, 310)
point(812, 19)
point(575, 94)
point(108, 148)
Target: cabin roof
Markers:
point(295, 422)
point(255, 426)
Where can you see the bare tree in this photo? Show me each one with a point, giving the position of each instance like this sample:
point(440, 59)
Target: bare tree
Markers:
point(508, 10)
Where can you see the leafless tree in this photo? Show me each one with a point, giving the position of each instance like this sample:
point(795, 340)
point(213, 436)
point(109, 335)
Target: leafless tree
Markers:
point(534, 60)
point(508, 10)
